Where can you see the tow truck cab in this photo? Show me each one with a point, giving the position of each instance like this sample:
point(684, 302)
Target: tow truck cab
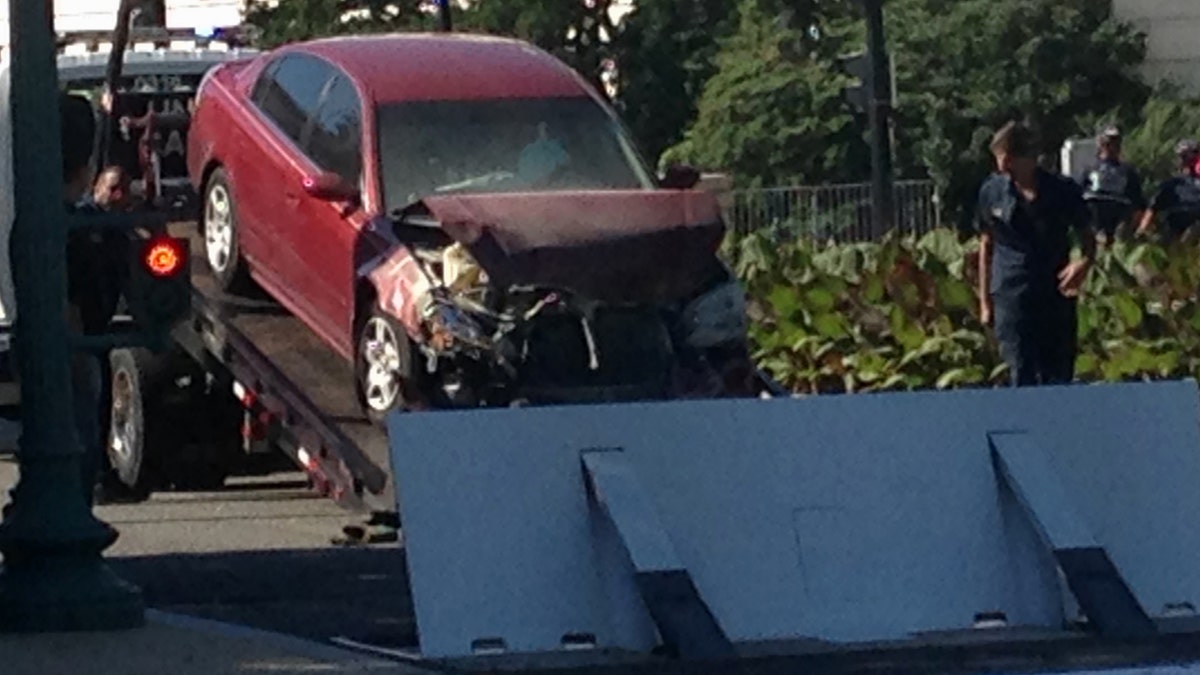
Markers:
point(162, 70)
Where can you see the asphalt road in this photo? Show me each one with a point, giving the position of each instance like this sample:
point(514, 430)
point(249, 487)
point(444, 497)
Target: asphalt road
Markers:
point(259, 553)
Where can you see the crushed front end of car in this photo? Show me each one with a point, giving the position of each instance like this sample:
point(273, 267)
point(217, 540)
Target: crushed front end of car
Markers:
point(570, 298)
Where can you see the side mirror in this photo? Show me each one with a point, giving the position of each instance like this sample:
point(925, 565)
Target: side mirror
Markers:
point(330, 187)
point(680, 177)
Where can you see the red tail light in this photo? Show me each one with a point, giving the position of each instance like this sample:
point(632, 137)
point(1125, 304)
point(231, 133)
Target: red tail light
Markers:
point(164, 257)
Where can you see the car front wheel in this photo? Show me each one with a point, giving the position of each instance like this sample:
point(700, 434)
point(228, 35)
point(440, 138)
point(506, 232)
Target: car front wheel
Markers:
point(384, 370)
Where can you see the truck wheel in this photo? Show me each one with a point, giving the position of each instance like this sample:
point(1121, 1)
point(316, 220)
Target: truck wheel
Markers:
point(220, 229)
point(383, 366)
point(137, 377)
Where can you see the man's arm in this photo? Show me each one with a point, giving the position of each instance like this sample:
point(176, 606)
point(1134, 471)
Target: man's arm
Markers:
point(985, 278)
point(982, 225)
point(1157, 205)
point(1072, 277)
point(1087, 245)
point(1081, 220)
point(1147, 222)
point(1137, 198)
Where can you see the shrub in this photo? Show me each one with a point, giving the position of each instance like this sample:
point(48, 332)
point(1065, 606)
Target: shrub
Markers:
point(902, 314)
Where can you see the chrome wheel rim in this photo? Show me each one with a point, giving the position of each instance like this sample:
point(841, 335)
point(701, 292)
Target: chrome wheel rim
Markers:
point(381, 365)
point(218, 228)
point(123, 434)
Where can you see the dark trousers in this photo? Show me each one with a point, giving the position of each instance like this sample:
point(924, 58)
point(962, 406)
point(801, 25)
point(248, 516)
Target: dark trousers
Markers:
point(1037, 333)
point(88, 394)
point(1107, 217)
point(90, 407)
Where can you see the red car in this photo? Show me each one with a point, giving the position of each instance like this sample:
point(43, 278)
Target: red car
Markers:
point(418, 199)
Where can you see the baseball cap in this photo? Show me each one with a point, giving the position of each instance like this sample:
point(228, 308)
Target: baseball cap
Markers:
point(1187, 147)
point(1110, 131)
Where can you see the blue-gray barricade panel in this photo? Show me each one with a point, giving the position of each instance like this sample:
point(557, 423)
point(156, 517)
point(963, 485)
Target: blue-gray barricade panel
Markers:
point(1180, 669)
point(847, 518)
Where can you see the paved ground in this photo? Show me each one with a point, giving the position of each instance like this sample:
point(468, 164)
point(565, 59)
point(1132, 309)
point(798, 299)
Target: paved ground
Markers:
point(259, 553)
point(181, 646)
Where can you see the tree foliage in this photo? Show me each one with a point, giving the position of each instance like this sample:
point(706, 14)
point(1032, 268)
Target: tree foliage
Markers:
point(665, 53)
point(1150, 145)
point(773, 110)
point(774, 113)
point(578, 32)
point(297, 20)
point(965, 66)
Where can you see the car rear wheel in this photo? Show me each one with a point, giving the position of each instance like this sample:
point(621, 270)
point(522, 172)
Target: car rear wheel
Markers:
point(219, 224)
point(383, 368)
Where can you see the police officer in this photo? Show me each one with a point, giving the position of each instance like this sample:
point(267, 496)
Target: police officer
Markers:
point(1112, 188)
point(95, 267)
point(1028, 282)
point(1178, 198)
point(97, 264)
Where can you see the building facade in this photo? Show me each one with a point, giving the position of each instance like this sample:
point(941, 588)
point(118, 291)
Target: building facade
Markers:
point(1173, 27)
point(72, 15)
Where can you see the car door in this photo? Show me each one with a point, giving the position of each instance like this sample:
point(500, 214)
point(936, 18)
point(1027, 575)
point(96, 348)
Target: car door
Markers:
point(325, 236)
point(271, 171)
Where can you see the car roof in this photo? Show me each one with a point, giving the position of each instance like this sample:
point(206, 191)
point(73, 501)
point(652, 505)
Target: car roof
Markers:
point(440, 66)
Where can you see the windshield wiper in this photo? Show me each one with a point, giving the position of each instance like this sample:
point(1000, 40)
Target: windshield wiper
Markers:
point(476, 182)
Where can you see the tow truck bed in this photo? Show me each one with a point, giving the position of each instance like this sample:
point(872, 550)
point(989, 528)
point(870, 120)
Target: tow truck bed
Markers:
point(284, 373)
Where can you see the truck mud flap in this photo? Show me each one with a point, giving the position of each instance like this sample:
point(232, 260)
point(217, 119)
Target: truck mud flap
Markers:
point(717, 530)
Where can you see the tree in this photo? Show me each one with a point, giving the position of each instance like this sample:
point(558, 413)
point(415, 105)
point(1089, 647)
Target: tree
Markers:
point(295, 20)
point(965, 66)
point(1166, 118)
point(665, 53)
point(150, 13)
point(579, 32)
point(774, 113)
point(576, 31)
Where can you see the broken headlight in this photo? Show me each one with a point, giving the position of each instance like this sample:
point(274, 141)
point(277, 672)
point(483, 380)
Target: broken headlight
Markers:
point(716, 317)
point(450, 327)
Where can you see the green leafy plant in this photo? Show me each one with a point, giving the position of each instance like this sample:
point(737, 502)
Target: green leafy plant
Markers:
point(902, 314)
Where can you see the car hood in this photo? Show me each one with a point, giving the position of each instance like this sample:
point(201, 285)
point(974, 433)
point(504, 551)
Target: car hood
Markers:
point(639, 246)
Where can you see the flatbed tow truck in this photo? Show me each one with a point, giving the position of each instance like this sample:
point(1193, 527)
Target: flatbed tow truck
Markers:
point(243, 380)
point(297, 395)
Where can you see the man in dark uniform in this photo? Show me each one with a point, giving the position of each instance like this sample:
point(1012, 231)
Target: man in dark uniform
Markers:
point(1112, 188)
point(97, 265)
point(96, 268)
point(1178, 198)
point(1028, 282)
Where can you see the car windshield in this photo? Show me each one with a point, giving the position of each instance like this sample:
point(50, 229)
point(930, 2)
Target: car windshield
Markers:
point(443, 147)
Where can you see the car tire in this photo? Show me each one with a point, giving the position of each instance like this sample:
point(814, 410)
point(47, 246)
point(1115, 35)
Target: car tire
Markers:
point(135, 431)
point(219, 227)
point(384, 367)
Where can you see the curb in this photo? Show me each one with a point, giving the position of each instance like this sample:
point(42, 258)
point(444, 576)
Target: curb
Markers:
point(289, 643)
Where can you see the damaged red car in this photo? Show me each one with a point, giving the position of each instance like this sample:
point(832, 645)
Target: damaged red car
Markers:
point(468, 222)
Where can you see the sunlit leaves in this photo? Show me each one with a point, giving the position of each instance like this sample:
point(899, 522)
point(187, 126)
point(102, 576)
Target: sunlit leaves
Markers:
point(902, 314)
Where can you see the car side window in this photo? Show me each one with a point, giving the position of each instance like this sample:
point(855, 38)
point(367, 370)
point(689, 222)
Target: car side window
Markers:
point(297, 83)
point(264, 87)
point(335, 140)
